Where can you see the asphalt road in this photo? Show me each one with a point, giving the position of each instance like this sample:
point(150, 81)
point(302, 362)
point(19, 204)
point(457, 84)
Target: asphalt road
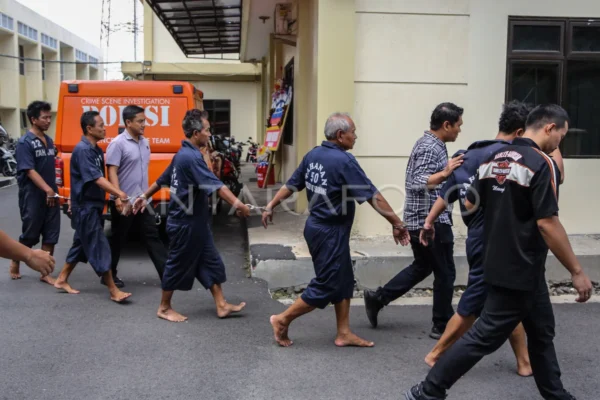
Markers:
point(59, 346)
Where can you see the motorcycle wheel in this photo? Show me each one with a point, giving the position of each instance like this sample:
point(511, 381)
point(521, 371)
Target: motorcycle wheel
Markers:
point(9, 169)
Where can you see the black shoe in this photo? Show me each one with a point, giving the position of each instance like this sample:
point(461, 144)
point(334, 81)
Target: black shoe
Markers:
point(416, 393)
point(372, 306)
point(118, 283)
point(436, 332)
point(570, 396)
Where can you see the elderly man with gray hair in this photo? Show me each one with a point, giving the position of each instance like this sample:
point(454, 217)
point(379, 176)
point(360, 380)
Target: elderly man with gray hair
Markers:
point(333, 180)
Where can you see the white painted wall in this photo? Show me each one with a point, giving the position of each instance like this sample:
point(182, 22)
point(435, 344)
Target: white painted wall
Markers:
point(412, 55)
point(243, 96)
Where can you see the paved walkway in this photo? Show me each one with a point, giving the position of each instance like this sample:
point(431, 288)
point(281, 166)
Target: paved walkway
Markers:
point(59, 346)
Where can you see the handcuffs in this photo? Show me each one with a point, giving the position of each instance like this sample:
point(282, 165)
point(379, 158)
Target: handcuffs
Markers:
point(253, 207)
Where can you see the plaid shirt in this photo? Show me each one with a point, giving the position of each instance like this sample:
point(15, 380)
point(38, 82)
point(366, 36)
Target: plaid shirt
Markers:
point(429, 156)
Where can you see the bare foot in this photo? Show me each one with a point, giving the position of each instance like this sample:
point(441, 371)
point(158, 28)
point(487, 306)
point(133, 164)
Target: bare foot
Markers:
point(351, 339)
point(65, 287)
point(223, 311)
point(280, 331)
point(524, 370)
point(14, 271)
point(118, 296)
point(430, 360)
point(48, 279)
point(170, 315)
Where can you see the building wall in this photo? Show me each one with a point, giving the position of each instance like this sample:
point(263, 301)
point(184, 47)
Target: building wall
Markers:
point(243, 96)
point(17, 91)
point(412, 55)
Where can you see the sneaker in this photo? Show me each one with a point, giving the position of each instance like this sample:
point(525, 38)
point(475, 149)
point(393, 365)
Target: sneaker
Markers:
point(436, 333)
point(118, 283)
point(416, 393)
point(372, 306)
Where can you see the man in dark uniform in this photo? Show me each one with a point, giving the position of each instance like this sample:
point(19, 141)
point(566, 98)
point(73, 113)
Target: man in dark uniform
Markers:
point(88, 194)
point(40, 210)
point(511, 125)
point(333, 180)
point(192, 252)
point(518, 190)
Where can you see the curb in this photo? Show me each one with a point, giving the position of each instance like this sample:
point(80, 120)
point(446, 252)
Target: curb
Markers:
point(282, 269)
point(7, 182)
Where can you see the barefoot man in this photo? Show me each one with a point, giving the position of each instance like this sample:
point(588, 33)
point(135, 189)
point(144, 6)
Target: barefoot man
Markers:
point(88, 193)
point(192, 251)
point(40, 211)
point(511, 126)
point(333, 181)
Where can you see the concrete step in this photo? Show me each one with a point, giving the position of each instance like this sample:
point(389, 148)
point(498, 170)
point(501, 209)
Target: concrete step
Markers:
point(279, 255)
point(7, 181)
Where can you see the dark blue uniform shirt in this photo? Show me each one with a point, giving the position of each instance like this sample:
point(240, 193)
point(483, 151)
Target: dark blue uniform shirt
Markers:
point(459, 182)
point(32, 154)
point(87, 165)
point(191, 183)
point(333, 180)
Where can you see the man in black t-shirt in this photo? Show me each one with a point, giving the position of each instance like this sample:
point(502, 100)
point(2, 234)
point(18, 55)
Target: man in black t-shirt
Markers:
point(518, 190)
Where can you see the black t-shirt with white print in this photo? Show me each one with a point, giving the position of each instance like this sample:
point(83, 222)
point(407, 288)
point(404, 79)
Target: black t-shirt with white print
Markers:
point(517, 186)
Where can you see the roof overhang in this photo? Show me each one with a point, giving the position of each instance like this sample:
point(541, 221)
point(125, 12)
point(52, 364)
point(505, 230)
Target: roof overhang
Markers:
point(245, 72)
point(202, 27)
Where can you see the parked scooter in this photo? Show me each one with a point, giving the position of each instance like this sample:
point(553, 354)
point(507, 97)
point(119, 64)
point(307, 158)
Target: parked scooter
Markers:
point(8, 164)
point(252, 150)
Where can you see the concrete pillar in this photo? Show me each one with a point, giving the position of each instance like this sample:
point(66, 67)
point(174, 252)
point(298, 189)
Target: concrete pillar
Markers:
point(325, 69)
point(149, 33)
point(83, 72)
point(33, 73)
point(69, 68)
point(52, 81)
point(10, 96)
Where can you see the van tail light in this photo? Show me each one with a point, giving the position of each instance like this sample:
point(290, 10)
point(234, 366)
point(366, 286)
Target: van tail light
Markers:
point(59, 167)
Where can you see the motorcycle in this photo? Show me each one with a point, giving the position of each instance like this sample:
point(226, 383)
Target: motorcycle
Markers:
point(226, 171)
point(252, 150)
point(8, 164)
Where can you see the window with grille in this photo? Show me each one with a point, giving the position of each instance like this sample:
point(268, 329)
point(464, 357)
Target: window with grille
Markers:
point(557, 60)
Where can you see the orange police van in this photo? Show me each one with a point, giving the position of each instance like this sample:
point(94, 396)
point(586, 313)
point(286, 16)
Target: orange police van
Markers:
point(165, 104)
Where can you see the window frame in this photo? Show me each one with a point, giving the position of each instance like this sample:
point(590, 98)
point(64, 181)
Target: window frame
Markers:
point(210, 105)
point(529, 54)
point(550, 57)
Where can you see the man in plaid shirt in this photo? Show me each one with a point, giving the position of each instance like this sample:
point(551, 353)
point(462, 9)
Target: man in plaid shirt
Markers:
point(428, 168)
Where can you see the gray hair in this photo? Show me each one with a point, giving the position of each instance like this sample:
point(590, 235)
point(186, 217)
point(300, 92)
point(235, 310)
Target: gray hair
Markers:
point(192, 122)
point(337, 121)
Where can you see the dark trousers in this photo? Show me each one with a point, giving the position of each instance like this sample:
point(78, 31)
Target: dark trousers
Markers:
point(503, 310)
point(120, 226)
point(438, 258)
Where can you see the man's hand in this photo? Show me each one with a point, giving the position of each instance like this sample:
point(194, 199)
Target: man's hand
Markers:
point(267, 216)
point(401, 235)
point(427, 234)
point(139, 204)
point(69, 207)
point(41, 261)
point(453, 163)
point(125, 205)
point(119, 205)
point(583, 285)
point(243, 211)
point(50, 199)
